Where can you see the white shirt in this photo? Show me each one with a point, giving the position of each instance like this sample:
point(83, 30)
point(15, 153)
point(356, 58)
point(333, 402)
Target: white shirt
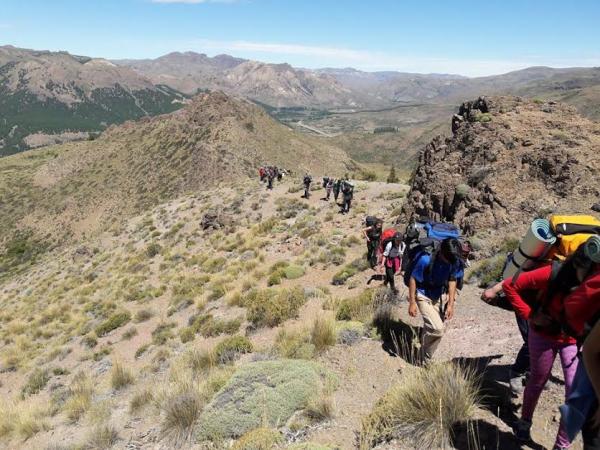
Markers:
point(394, 252)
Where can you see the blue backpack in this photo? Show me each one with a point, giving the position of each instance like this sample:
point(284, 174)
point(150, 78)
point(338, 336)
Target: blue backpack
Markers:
point(436, 233)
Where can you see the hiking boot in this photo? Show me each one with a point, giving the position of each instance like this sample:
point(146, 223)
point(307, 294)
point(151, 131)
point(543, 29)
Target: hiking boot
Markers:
point(516, 383)
point(522, 430)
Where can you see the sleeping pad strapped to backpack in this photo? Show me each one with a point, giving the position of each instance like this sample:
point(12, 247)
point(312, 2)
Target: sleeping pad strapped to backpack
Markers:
point(436, 233)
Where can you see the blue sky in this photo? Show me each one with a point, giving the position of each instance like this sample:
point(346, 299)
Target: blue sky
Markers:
point(467, 37)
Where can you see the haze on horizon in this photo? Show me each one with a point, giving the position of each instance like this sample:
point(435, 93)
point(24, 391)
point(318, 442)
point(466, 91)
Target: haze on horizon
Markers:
point(464, 37)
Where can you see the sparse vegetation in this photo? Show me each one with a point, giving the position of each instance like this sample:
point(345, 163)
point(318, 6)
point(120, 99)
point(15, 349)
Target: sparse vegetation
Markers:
point(270, 307)
point(424, 407)
point(112, 323)
point(120, 376)
point(259, 439)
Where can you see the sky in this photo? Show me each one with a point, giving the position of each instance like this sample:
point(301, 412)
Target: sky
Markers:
point(472, 38)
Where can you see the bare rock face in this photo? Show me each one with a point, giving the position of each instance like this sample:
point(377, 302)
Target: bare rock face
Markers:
point(523, 159)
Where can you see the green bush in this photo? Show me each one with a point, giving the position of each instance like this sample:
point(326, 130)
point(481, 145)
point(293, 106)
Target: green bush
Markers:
point(462, 190)
point(294, 344)
point(209, 326)
point(348, 271)
point(229, 349)
point(162, 333)
point(264, 393)
point(359, 308)
point(153, 249)
point(259, 439)
point(488, 271)
point(112, 323)
point(293, 271)
point(270, 307)
point(187, 334)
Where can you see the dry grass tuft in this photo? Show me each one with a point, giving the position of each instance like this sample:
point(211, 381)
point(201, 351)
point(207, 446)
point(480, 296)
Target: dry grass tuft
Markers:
point(424, 407)
point(180, 415)
point(81, 397)
point(102, 437)
point(323, 334)
point(120, 377)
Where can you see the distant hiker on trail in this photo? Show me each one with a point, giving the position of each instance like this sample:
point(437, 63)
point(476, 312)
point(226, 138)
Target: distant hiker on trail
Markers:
point(392, 260)
point(348, 193)
point(546, 334)
point(271, 174)
point(432, 276)
point(279, 173)
point(481, 104)
point(457, 121)
point(336, 189)
point(307, 180)
point(372, 234)
point(262, 173)
point(328, 188)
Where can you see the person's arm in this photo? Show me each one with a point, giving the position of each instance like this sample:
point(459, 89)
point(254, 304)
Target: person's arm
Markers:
point(386, 253)
point(451, 298)
point(412, 297)
point(591, 359)
point(491, 293)
point(365, 232)
point(534, 280)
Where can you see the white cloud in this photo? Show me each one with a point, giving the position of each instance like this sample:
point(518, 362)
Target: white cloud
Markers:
point(326, 56)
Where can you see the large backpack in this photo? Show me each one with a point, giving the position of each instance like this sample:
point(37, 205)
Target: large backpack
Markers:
point(386, 237)
point(436, 233)
point(571, 231)
point(325, 181)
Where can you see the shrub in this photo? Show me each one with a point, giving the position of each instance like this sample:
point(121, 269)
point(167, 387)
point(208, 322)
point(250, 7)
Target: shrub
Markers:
point(143, 315)
point(140, 399)
point(81, 390)
point(201, 360)
point(323, 334)
point(141, 350)
point(153, 249)
point(162, 333)
point(320, 407)
point(462, 190)
point(264, 393)
point(274, 279)
point(230, 348)
point(424, 407)
point(488, 271)
point(359, 308)
point(112, 323)
point(392, 177)
point(483, 117)
point(36, 382)
point(293, 271)
point(259, 439)
point(187, 334)
point(270, 307)
point(208, 326)
point(180, 414)
point(130, 333)
point(294, 344)
point(358, 265)
point(120, 377)
point(102, 437)
point(89, 340)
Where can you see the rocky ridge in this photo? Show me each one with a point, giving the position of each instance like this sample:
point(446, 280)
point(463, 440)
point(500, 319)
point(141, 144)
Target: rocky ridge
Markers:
point(523, 159)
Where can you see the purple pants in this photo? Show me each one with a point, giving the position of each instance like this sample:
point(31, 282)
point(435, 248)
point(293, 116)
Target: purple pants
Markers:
point(542, 352)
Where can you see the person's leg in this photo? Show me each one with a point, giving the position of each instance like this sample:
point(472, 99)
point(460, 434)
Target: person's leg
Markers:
point(521, 365)
point(542, 354)
point(569, 361)
point(433, 327)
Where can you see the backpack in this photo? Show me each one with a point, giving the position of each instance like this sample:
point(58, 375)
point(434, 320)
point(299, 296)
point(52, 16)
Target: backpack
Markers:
point(386, 237)
point(325, 181)
point(436, 233)
point(572, 231)
point(307, 179)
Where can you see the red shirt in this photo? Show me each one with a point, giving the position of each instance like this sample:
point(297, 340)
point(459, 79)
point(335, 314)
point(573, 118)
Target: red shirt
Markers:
point(537, 280)
point(583, 303)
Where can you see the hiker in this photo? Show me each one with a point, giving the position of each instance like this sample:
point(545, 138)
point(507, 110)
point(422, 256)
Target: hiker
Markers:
point(581, 319)
point(336, 189)
point(306, 181)
point(481, 104)
point(431, 276)
point(520, 368)
point(457, 121)
point(372, 234)
point(279, 173)
point(348, 193)
point(392, 260)
point(329, 188)
point(262, 173)
point(546, 335)
point(270, 177)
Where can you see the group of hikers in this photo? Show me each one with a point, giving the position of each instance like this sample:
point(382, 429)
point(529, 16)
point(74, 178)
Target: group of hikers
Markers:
point(556, 302)
point(338, 186)
point(269, 173)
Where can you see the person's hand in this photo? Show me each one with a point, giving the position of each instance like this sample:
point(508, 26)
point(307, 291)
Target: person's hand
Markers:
point(449, 312)
point(488, 295)
point(412, 309)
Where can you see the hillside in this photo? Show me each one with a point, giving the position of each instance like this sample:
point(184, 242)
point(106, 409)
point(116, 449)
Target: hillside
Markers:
point(48, 97)
point(524, 159)
point(78, 188)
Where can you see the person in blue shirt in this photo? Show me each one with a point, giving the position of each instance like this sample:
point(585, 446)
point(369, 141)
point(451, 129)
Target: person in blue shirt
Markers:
point(428, 282)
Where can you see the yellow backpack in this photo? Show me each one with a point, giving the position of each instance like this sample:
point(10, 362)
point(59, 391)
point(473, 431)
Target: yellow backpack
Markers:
point(571, 232)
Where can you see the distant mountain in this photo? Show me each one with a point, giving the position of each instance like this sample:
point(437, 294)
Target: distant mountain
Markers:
point(48, 97)
point(85, 186)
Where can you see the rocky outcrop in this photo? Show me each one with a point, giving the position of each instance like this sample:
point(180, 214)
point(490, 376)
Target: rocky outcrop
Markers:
point(523, 159)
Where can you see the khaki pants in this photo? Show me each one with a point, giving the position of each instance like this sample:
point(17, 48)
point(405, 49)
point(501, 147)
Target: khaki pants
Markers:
point(433, 325)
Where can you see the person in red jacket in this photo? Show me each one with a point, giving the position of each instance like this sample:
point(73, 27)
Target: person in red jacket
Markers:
point(546, 337)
